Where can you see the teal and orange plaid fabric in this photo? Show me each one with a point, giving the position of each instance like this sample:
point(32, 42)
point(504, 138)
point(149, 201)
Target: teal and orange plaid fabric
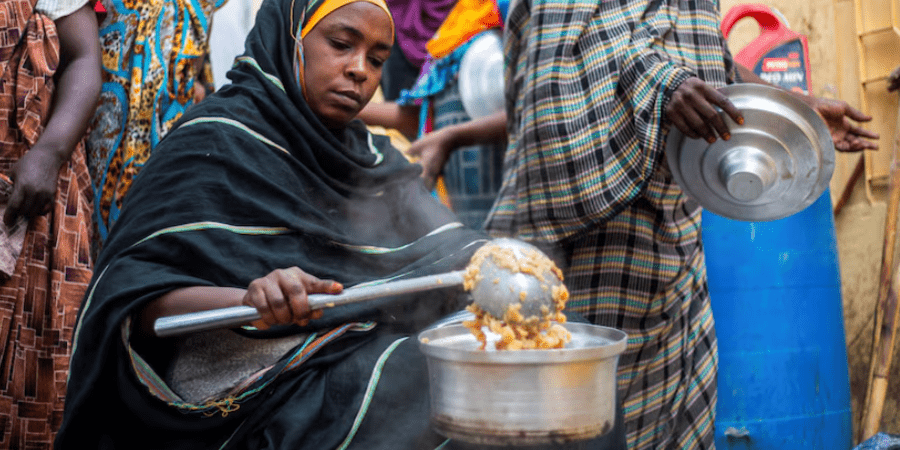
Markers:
point(587, 87)
point(587, 84)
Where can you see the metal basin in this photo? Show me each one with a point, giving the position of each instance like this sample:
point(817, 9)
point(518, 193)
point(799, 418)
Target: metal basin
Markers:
point(776, 164)
point(526, 397)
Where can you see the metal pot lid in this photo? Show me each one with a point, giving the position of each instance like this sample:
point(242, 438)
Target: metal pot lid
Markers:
point(481, 76)
point(776, 164)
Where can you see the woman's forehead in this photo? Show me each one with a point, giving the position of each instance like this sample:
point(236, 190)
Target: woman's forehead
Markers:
point(361, 18)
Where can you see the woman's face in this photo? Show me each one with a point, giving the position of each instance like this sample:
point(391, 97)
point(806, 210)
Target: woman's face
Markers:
point(343, 57)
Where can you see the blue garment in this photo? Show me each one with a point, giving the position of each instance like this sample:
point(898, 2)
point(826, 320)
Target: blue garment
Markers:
point(433, 80)
point(881, 441)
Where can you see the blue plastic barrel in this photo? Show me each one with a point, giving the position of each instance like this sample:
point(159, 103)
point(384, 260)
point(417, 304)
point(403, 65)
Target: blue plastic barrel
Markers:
point(776, 296)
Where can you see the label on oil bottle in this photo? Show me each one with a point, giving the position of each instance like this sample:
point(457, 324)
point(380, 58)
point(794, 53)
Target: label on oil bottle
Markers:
point(785, 66)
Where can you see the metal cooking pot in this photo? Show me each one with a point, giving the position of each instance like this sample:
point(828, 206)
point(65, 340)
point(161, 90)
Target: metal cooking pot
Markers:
point(525, 397)
point(776, 164)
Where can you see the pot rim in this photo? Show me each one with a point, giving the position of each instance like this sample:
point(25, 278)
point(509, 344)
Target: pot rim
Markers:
point(589, 342)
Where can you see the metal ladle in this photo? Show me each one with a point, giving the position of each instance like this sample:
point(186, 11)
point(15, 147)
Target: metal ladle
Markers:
point(495, 289)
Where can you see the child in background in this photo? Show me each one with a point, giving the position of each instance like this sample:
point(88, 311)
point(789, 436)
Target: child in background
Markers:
point(462, 155)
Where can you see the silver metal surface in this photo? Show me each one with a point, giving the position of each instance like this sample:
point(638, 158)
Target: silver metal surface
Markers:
point(498, 287)
point(525, 397)
point(481, 76)
point(776, 164)
point(241, 315)
point(451, 319)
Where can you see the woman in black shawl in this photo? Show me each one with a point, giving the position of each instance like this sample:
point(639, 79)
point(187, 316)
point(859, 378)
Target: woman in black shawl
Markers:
point(268, 184)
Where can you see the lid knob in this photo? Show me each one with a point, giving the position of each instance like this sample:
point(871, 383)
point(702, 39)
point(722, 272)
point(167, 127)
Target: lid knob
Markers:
point(747, 173)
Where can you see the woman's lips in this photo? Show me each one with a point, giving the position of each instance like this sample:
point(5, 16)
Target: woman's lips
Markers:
point(348, 98)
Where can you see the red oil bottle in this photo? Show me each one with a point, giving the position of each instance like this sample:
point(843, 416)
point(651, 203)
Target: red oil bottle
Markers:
point(778, 55)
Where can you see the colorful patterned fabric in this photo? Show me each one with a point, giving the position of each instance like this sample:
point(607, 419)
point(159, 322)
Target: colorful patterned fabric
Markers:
point(39, 302)
point(467, 19)
point(587, 86)
point(153, 51)
point(435, 77)
point(643, 272)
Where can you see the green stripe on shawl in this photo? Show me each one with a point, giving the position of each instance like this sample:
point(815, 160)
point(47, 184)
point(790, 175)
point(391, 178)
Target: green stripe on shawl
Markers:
point(215, 206)
point(370, 392)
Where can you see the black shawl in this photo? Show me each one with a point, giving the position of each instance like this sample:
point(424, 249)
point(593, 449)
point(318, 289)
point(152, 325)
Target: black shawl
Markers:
point(251, 181)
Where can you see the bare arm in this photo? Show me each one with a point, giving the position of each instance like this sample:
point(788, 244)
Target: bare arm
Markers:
point(484, 130)
point(391, 115)
point(435, 148)
point(838, 115)
point(280, 297)
point(748, 76)
point(77, 89)
point(187, 300)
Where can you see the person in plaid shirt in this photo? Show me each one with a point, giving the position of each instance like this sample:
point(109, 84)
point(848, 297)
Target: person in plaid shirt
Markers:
point(592, 89)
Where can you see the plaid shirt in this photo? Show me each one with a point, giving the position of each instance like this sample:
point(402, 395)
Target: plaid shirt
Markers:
point(588, 83)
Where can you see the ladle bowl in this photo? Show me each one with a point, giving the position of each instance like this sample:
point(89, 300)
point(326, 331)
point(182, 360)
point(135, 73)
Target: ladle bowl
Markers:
point(496, 287)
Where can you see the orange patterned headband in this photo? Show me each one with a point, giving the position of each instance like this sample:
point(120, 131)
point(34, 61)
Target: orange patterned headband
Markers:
point(330, 5)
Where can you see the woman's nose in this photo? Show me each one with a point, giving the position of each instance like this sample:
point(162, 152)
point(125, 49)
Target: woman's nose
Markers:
point(356, 68)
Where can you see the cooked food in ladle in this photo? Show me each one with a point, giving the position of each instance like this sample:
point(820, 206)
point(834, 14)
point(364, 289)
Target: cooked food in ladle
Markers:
point(537, 327)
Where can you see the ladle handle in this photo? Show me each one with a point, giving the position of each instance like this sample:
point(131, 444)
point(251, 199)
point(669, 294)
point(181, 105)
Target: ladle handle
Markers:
point(241, 315)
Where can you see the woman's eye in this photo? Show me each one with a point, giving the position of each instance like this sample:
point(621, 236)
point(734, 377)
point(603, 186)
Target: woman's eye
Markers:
point(376, 62)
point(340, 45)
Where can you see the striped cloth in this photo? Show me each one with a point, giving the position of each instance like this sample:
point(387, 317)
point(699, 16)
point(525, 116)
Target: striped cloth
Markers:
point(587, 86)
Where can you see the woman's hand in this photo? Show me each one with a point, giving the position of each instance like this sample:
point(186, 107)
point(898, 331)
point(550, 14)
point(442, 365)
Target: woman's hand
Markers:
point(77, 89)
point(281, 297)
point(894, 80)
point(34, 179)
point(434, 149)
point(692, 110)
point(432, 152)
point(847, 136)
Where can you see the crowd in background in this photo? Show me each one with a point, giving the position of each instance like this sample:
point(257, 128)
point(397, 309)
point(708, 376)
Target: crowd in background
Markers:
point(82, 117)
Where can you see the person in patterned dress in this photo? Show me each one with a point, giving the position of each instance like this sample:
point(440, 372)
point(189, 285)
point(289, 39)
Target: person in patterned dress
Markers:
point(461, 156)
point(154, 56)
point(592, 89)
point(49, 82)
